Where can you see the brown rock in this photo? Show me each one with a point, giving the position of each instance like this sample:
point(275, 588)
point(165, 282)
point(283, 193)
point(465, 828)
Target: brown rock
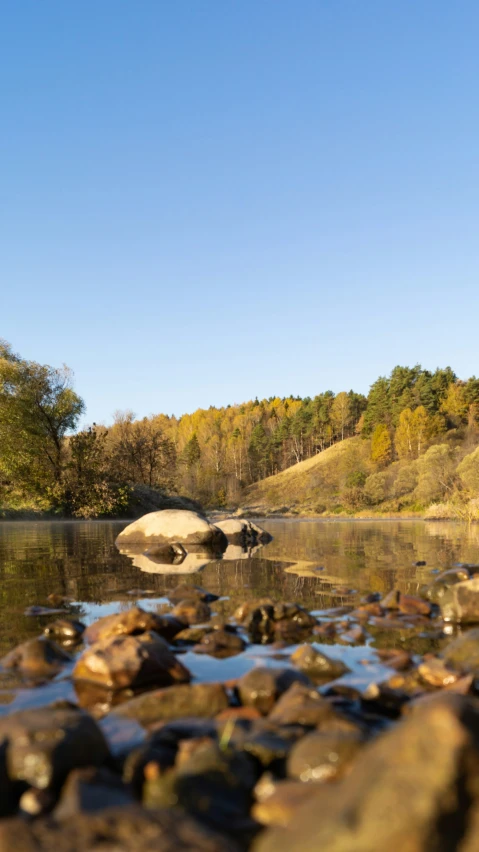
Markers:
point(131, 623)
point(130, 661)
point(91, 789)
point(221, 644)
point(261, 686)
point(64, 630)
point(323, 755)
point(278, 806)
point(123, 829)
point(37, 658)
point(192, 611)
point(185, 592)
point(205, 700)
point(318, 666)
point(301, 705)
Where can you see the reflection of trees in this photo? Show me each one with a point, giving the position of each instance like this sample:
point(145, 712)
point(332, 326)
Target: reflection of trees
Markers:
point(80, 560)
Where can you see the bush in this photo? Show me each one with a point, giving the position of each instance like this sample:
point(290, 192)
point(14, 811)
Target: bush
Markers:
point(468, 471)
point(375, 488)
point(406, 479)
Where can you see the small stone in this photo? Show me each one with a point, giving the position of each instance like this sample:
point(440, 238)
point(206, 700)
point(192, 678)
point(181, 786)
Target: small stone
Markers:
point(262, 686)
point(318, 666)
point(37, 658)
point(130, 661)
point(460, 602)
point(91, 789)
point(132, 623)
point(65, 630)
point(221, 644)
point(301, 705)
point(192, 611)
point(185, 592)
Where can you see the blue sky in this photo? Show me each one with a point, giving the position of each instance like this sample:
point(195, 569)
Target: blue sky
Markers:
point(206, 200)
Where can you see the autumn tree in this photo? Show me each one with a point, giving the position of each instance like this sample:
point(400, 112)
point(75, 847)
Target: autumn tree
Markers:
point(381, 446)
point(411, 433)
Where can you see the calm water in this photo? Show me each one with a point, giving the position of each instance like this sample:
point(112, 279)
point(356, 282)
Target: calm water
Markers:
point(320, 564)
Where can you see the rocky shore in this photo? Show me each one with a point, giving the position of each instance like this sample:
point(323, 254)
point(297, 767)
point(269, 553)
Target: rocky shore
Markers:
point(353, 728)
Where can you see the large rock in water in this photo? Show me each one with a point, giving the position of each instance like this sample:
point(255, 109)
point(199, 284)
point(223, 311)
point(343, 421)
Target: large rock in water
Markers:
point(460, 602)
point(243, 532)
point(415, 789)
point(169, 526)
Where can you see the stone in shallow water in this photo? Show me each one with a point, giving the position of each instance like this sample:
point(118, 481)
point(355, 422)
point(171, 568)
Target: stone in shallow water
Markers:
point(460, 602)
point(131, 623)
point(192, 611)
point(130, 661)
point(171, 526)
point(120, 829)
point(44, 744)
point(262, 686)
point(462, 654)
point(279, 800)
point(37, 658)
point(220, 643)
point(91, 789)
point(302, 705)
point(198, 699)
point(317, 665)
point(65, 630)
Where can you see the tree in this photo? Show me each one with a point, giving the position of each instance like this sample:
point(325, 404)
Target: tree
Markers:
point(412, 432)
point(468, 471)
point(38, 407)
point(340, 412)
point(381, 446)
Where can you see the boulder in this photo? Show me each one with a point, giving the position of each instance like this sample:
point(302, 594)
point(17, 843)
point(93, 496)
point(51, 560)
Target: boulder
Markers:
point(460, 602)
point(243, 532)
point(323, 755)
point(121, 662)
point(172, 526)
point(318, 666)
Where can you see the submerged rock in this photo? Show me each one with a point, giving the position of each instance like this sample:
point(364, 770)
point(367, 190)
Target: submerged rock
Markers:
point(37, 658)
point(171, 526)
point(130, 661)
point(204, 700)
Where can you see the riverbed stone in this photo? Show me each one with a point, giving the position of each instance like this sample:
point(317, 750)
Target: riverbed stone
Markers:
point(262, 686)
point(172, 526)
point(65, 630)
point(460, 602)
point(278, 801)
point(192, 611)
point(121, 662)
point(408, 791)
point(316, 665)
point(220, 643)
point(204, 700)
point(122, 829)
point(323, 755)
point(91, 789)
point(132, 622)
point(44, 744)
point(37, 658)
point(462, 653)
point(437, 589)
point(302, 704)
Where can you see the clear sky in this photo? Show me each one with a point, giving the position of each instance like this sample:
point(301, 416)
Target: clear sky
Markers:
point(202, 201)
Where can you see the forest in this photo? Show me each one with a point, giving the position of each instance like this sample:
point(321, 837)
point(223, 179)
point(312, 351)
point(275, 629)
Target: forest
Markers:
point(412, 443)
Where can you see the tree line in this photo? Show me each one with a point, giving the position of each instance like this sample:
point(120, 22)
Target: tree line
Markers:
point(213, 454)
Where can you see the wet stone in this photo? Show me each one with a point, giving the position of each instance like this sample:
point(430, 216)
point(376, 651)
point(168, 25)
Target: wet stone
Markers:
point(204, 700)
point(462, 654)
point(221, 644)
point(65, 630)
point(44, 744)
point(316, 665)
point(302, 705)
point(192, 611)
point(460, 602)
point(278, 801)
point(37, 658)
point(130, 661)
point(323, 755)
point(262, 686)
point(132, 623)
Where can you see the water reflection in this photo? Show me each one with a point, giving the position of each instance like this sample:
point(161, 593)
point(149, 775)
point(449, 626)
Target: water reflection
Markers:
point(317, 563)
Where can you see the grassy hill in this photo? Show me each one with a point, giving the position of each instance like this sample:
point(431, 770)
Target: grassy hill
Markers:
point(343, 480)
